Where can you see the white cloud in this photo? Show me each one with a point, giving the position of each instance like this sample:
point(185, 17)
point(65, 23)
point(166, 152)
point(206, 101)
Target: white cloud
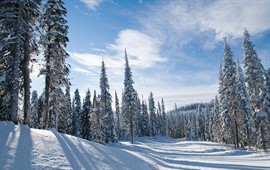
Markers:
point(92, 4)
point(80, 70)
point(143, 50)
point(177, 21)
point(229, 18)
point(94, 60)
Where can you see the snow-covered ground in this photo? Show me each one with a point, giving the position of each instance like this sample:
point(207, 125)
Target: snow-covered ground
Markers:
point(23, 148)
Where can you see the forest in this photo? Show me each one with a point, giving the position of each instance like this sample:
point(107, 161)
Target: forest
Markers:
point(239, 114)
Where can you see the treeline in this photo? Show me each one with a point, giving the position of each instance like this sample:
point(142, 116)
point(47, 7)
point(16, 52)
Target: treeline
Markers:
point(240, 113)
point(28, 28)
point(94, 119)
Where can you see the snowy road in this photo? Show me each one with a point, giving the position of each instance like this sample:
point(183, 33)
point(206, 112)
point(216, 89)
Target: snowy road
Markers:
point(167, 153)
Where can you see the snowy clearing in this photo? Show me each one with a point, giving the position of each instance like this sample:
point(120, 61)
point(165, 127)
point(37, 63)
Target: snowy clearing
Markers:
point(24, 148)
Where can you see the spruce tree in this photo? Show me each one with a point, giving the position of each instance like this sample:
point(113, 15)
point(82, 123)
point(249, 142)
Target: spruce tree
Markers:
point(54, 39)
point(96, 121)
point(138, 117)
point(163, 119)
point(200, 122)
point(106, 107)
point(158, 118)
point(68, 111)
point(86, 113)
point(117, 117)
point(129, 103)
point(256, 89)
point(152, 115)
point(77, 121)
point(33, 118)
point(145, 120)
point(16, 32)
point(244, 110)
point(228, 103)
point(30, 14)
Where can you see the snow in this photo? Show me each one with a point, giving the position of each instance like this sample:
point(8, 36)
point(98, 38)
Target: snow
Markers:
point(24, 148)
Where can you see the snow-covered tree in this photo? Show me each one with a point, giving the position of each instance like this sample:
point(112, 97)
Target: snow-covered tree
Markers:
point(158, 118)
point(58, 118)
point(17, 43)
point(228, 97)
point(54, 39)
point(77, 118)
point(152, 115)
point(138, 117)
point(163, 119)
point(96, 121)
point(30, 14)
point(85, 114)
point(191, 127)
point(246, 128)
point(33, 118)
point(69, 113)
point(145, 120)
point(129, 103)
point(200, 123)
point(216, 121)
point(106, 107)
point(117, 117)
point(256, 89)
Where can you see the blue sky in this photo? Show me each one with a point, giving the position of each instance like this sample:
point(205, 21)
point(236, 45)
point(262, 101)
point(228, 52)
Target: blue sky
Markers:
point(174, 46)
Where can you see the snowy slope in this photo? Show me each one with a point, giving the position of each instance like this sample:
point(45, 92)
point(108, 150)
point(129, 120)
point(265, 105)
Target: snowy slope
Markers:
point(23, 148)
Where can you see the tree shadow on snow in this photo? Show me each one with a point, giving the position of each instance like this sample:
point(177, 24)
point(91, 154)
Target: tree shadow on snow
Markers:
point(76, 159)
point(23, 150)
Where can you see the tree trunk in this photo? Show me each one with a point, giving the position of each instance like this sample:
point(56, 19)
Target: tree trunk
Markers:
point(236, 135)
point(15, 72)
point(26, 81)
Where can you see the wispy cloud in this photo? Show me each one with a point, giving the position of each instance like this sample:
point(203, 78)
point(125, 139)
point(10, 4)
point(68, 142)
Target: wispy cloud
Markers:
point(92, 4)
point(143, 51)
point(178, 20)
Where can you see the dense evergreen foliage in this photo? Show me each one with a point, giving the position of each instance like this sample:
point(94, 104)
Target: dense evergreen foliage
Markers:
point(239, 114)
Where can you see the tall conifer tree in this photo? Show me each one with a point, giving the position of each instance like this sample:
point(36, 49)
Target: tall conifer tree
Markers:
point(54, 39)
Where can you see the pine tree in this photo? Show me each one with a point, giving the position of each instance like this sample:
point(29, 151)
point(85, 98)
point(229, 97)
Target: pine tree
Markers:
point(244, 111)
point(41, 111)
point(129, 103)
point(117, 117)
point(158, 118)
point(30, 14)
point(96, 121)
point(145, 120)
point(77, 121)
point(163, 119)
point(228, 102)
point(58, 118)
point(68, 111)
point(138, 117)
point(54, 39)
point(153, 116)
point(12, 34)
point(33, 118)
point(106, 107)
point(200, 122)
point(86, 113)
point(256, 89)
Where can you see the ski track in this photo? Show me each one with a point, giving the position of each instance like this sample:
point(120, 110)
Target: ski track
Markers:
point(22, 148)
